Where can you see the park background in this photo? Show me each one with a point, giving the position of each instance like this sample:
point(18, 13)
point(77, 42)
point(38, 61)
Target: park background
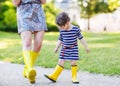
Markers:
point(104, 42)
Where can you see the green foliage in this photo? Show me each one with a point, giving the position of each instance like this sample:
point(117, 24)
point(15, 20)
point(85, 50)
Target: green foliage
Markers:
point(51, 12)
point(90, 8)
point(113, 4)
point(7, 17)
point(101, 7)
point(10, 20)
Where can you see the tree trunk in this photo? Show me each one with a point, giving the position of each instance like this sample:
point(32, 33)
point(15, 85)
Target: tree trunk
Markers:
point(88, 23)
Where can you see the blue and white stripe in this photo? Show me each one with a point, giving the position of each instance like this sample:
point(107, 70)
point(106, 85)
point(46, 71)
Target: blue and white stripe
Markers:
point(69, 38)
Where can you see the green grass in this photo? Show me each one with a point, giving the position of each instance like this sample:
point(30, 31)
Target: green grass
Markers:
point(104, 56)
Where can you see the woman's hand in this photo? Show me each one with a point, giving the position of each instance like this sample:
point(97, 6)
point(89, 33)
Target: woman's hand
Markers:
point(16, 3)
point(43, 1)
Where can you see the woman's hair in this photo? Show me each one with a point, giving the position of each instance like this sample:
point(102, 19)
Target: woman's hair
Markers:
point(62, 19)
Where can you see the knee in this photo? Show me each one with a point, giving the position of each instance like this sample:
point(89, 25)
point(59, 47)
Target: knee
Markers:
point(37, 46)
point(73, 63)
point(27, 44)
point(61, 62)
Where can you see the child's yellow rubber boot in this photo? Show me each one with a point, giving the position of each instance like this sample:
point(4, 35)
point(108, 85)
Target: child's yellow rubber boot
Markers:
point(53, 77)
point(74, 74)
point(29, 71)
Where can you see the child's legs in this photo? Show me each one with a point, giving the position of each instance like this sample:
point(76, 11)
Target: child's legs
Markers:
point(61, 62)
point(73, 62)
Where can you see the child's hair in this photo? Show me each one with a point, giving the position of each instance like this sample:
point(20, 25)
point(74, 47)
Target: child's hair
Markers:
point(62, 19)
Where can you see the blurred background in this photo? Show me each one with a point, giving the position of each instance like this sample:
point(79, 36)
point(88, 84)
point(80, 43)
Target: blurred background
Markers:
point(90, 15)
point(99, 21)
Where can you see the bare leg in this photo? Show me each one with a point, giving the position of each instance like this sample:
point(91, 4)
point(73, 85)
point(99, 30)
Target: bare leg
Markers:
point(26, 37)
point(61, 62)
point(73, 62)
point(38, 38)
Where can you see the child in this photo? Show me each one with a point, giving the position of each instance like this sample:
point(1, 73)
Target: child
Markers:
point(69, 51)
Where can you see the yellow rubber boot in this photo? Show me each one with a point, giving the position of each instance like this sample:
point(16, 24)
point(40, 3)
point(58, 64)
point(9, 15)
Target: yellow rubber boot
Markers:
point(29, 71)
point(74, 74)
point(53, 77)
point(25, 71)
point(34, 56)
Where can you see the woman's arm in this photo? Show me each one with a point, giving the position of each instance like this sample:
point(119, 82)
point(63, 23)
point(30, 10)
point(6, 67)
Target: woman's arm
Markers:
point(43, 1)
point(57, 46)
point(16, 3)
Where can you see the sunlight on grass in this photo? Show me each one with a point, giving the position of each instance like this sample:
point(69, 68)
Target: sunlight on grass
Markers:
point(102, 45)
point(52, 33)
point(8, 59)
point(8, 42)
point(49, 42)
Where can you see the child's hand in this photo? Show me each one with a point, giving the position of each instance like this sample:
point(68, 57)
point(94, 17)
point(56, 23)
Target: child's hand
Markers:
point(87, 50)
point(55, 50)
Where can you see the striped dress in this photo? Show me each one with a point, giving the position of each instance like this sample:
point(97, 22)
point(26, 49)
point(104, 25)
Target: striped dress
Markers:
point(69, 50)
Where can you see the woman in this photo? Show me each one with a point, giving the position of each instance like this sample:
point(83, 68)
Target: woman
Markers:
point(31, 20)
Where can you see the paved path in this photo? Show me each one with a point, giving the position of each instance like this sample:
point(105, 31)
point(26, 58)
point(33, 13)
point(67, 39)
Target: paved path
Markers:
point(11, 75)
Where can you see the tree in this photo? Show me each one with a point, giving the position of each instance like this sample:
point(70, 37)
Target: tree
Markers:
point(51, 12)
point(90, 8)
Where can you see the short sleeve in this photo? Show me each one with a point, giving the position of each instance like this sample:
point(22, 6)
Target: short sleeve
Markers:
point(79, 35)
point(60, 37)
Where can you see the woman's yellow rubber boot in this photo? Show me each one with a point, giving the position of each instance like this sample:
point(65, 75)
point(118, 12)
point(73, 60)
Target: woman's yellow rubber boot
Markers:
point(53, 77)
point(29, 70)
point(34, 56)
point(74, 74)
point(25, 71)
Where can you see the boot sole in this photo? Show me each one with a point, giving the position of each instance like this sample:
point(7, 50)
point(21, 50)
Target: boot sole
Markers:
point(49, 78)
point(75, 82)
point(32, 75)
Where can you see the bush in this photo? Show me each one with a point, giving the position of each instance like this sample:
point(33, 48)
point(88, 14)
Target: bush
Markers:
point(7, 17)
point(51, 12)
point(10, 20)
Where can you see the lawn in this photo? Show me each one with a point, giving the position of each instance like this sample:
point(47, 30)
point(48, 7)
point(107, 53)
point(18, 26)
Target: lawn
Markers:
point(104, 56)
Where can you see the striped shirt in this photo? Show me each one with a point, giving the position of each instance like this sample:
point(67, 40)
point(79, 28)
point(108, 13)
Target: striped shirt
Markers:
point(69, 50)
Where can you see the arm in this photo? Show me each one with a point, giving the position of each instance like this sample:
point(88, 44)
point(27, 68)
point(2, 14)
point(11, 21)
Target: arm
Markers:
point(57, 46)
point(85, 44)
point(16, 3)
point(43, 1)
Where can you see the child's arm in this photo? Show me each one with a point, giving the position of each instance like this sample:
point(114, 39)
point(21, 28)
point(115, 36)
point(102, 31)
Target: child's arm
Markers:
point(85, 44)
point(43, 1)
point(57, 46)
point(16, 3)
